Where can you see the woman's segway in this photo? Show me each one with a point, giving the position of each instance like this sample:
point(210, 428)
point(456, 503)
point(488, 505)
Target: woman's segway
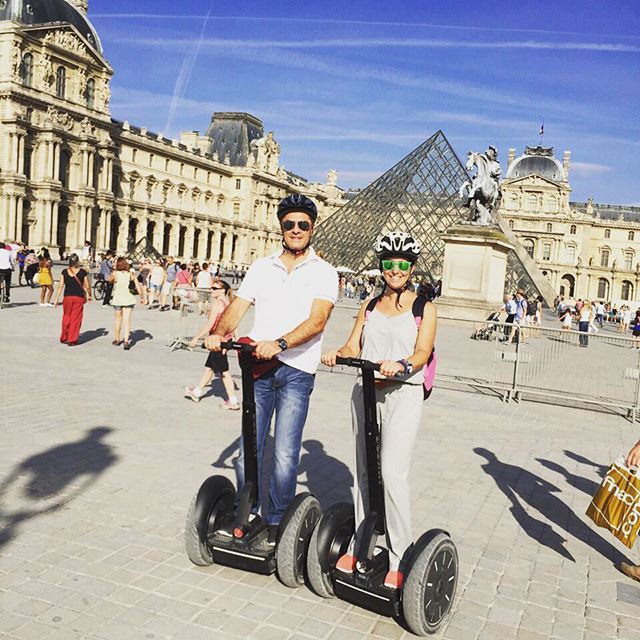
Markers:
point(220, 525)
point(431, 571)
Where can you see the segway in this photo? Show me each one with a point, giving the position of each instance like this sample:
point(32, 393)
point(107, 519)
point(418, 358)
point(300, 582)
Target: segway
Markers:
point(431, 568)
point(221, 527)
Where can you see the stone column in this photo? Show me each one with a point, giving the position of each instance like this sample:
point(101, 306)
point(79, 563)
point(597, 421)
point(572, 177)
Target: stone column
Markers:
point(175, 238)
point(19, 219)
point(158, 235)
point(123, 233)
point(54, 223)
point(188, 240)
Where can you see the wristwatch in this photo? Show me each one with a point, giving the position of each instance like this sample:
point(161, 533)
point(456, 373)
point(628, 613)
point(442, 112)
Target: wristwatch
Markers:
point(408, 367)
point(283, 344)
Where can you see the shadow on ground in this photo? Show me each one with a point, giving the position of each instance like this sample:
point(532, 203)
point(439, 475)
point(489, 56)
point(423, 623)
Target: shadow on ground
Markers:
point(522, 486)
point(48, 481)
point(93, 334)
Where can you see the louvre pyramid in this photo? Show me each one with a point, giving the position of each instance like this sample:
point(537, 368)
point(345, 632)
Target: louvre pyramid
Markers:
point(418, 195)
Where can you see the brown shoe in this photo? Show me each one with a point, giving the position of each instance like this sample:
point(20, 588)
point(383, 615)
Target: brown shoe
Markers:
point(630, 570)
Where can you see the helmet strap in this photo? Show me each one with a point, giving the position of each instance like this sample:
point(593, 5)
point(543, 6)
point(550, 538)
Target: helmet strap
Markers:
point(296, 253)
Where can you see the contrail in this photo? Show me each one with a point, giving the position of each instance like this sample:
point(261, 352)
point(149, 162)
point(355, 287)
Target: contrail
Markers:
point(182, 81)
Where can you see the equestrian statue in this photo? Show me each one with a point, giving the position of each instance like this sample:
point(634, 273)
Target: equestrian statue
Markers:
point(482, 193)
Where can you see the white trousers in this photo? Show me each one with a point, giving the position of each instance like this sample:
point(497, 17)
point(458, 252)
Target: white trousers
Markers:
point(399, 411)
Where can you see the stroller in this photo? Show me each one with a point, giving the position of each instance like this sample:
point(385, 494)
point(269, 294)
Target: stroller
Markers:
point(486, 331)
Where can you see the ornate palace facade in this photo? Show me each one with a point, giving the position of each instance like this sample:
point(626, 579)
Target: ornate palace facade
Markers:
point(70, 173)
point(586, 250)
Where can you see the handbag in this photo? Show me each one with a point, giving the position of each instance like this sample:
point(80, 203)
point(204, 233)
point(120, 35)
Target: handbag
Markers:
point(132, 288)
point(615, 505)
point(84, 293)
point(36, 278)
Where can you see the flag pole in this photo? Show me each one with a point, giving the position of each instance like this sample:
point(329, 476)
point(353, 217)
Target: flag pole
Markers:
point(541, 133)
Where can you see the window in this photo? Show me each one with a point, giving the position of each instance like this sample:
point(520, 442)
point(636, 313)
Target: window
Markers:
point(510, 222)
point(628, 260)
point(26, 70)
point(90, 93)
point(630, 235)
point(195, 173)
point(151, 159)
point(627, 290)
point(532, 203)
point(166, 165)
point(549, 227)
point(65, 167)
point(604, 257)
point(607, 233)
point(603, 288)
point(572, 230)
point(236, 209)
point(238, 184)
point(28, 153)
point(546, 251)
point(134, 153)
point(182, 168)
point(571, 253)
point(529, 245)
point(208, 177)
point(61, 82)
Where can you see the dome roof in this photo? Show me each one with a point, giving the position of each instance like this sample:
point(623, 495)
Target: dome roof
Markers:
point(35, 12)
point(529, 164)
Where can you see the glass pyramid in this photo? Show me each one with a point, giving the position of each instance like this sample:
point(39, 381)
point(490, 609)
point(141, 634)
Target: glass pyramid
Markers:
point(418, 195)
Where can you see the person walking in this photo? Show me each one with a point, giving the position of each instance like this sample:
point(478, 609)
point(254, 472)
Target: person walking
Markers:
point(75, 286)
point(106, 269)
point(167, 287)
point(45, 279)
point(509, 308)
point(21, 258)
point(123, 301)
point(156, 280)
point(217, 363)
point(625, 319)
point(566, 318)
point(585, 316)
point(30, 268)
point(389, 335)
point(7, 266)
point(294, 292)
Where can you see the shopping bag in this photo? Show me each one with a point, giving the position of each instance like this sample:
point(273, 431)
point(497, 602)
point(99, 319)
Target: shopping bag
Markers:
point(616, 504)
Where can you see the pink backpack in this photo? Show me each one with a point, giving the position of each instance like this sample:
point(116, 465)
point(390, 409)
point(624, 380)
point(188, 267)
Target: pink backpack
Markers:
point(417, 310)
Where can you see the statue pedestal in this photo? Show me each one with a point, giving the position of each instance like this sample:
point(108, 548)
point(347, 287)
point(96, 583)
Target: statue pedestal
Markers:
point(475, 265)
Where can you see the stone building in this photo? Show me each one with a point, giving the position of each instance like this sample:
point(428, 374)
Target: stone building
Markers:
point(70, 173)
point(586, 250)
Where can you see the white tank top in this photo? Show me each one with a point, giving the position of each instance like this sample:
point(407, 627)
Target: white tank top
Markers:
point(390, 338)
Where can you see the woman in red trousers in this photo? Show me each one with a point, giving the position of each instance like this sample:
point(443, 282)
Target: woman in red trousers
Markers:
point(77, 290)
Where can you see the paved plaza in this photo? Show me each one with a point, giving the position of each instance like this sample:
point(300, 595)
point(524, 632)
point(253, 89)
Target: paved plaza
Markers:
point(101, 455)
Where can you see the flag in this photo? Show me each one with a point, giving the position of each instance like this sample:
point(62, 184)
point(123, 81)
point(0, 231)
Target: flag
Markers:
point(541, 132)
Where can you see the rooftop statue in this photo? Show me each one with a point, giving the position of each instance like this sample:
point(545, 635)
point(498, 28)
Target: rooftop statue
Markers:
point(482, 193)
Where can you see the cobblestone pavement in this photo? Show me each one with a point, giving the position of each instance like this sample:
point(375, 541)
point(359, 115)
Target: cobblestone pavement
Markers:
point(101, 455)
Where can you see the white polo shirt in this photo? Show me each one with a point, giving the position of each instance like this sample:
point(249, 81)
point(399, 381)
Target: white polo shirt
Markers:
point(283, 301)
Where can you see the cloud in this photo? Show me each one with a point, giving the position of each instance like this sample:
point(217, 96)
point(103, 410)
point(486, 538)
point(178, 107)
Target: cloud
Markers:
point(588, 169)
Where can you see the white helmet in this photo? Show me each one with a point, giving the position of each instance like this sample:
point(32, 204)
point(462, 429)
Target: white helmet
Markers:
point(397, 243)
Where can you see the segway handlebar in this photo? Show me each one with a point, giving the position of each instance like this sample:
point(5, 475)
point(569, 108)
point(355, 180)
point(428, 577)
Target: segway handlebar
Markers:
point(358, 363)
point(238, 346)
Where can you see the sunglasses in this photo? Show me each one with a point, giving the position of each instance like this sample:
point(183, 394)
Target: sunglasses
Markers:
point(389, 265)
point(303, 225)
point(217, 288)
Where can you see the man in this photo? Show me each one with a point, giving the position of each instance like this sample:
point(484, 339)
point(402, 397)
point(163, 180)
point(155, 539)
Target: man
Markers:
point(293, 292)
point(519, 316)
point(167, 287)
point(6, 268)
point(509, 307)
point(600, 313)
point(106, 269)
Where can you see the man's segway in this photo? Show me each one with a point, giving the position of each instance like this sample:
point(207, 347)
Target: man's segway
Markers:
point(431, 569)
point(220, 525)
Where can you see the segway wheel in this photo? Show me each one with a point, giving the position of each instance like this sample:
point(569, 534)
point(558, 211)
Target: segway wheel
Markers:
point(209, 508)
point(329, 541)
point(296, 528)
point(430, 587)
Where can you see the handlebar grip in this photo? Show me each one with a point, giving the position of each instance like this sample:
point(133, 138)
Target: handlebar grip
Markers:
point(238, 346)
point(358, 363)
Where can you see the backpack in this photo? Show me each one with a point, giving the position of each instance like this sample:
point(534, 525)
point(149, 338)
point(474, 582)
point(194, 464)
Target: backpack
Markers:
point(429, 368)
point(531, 308)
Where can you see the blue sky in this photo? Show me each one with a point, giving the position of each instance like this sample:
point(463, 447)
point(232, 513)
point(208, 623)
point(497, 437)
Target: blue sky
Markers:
point(356, 85)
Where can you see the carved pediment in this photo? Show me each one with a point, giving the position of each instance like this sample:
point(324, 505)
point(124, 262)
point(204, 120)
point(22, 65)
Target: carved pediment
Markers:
point(531, 180)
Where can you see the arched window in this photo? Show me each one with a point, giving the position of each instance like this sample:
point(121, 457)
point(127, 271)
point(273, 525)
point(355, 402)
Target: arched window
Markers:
point(61, 82)
point(627, 290)
point(510, 224)
point(572, 230)
point(532, 203)
point(549, 227)
point(603, 288)
point(607, 233)
point(90, 93)
point(631, 235)
point(26, 70)
point(65, 167)
point(604, 257)
point(529, 245)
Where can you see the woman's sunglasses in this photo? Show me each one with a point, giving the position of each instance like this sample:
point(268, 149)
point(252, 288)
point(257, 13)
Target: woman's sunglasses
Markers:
point(303, 225)
point(389, 265)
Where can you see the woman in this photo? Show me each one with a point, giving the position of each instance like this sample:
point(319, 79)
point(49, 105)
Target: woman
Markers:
point(585, 316)
point(636, 331)
point(626, 319)
point(183, 284)
point(203, 279)
point(123, 300)
point(143, 279)
point(567, 318)
point(45, 279)
point(31, 265)
point(390, 336)
point(217, 363)
point(77, 291)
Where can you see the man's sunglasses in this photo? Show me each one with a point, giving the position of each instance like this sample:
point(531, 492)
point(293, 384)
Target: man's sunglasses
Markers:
point(389, 265)
point(303, 225)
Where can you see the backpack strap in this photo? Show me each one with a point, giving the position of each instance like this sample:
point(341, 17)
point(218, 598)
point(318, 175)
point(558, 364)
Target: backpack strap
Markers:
point(371, 306)
point(418, 309)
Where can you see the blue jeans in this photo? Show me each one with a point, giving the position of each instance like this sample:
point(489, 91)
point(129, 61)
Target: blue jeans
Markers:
point(583, 327)
point(287, 391)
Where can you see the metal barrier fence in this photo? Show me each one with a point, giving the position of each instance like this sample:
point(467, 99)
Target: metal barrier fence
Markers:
point(596, 368)
point(190, 318)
